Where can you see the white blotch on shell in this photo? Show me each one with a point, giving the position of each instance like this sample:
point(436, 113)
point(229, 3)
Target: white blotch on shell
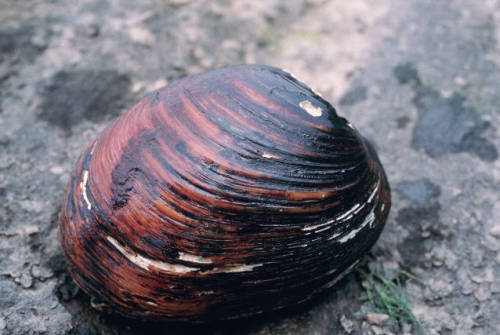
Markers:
point(266, 155)
point(310, 108)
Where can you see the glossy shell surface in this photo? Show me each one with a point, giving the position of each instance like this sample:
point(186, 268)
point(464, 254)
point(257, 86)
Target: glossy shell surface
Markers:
point(226, 194)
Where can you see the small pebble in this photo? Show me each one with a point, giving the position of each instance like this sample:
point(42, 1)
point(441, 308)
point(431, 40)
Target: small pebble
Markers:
point(31, 229)
point(347, 324)
point(4, 139)
point(440, 288)
point(57, 169)
point(376, 318)
point(92, 30)
point(482, 293)
point(41, 273)
point(467, 287)
point(138, 86)
point(377, 330)
point(459, 81)
point(489, 275)
point(495, 231)
point(25, 280)
point(142, 35)
point(446, 93)
point(40, 38)
point(159, 83)
point(407, 328)
point(178, 2)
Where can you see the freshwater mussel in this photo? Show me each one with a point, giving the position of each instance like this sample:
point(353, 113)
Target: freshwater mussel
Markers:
point(226, 194)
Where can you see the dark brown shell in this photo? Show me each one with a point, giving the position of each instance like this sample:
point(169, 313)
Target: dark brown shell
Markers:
point(222, 195)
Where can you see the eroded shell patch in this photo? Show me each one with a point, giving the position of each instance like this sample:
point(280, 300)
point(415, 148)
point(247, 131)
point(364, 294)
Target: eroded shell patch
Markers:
point(310, 108)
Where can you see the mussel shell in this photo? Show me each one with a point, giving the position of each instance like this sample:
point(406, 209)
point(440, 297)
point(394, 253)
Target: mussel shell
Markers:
point(226, 194)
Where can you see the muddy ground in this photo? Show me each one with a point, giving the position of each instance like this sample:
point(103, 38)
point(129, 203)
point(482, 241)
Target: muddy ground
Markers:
point(420, 78)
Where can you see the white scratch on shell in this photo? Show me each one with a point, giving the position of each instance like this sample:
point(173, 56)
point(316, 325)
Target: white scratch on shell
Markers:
point(93, 147)
point(83, 188)
point(327, 223)
point(334, 236)
point(315, 226)
point(266, 155)
point(242, 268)
point(373, 193)
point(371, 218)
point(148, 264)
point(322, 229)
point(345, 216)
point(310, 108)
point(234, 268)
point(367, 221)
point(194, 258)
point(348, 213)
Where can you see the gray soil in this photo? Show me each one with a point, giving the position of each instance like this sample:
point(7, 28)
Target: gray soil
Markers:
point(419, 78)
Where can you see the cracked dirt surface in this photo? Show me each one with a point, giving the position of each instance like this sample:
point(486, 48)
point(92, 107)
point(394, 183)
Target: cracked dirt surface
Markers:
point(419, 78)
